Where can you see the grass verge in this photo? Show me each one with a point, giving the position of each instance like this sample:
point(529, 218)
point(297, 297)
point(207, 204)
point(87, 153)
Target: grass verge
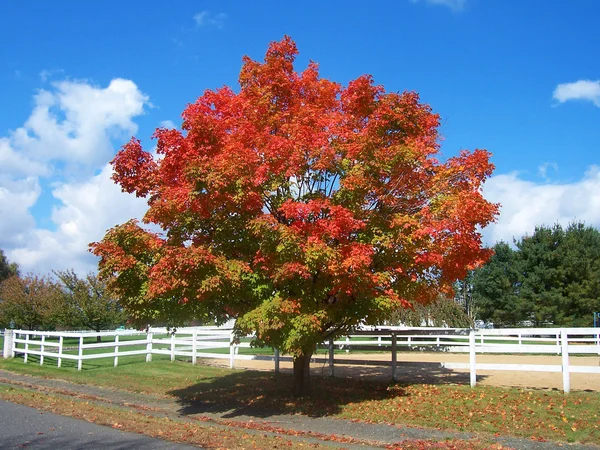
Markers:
point(224, 435)
point(536, 414)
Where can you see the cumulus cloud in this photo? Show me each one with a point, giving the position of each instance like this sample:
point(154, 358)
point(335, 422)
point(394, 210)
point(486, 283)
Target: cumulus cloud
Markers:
point(75, 122)
point(207, 19)
point(16, 197)
point(586, 90)
point(86, 210)
point(66, 141)
point(168, 124)
point(526, 204)
point(454, 5)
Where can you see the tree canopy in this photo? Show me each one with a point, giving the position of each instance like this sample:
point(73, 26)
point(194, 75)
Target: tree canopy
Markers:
point(88, 304)
point(297, 206)
point(551, 278)
point(30, 302)
point(7, 269)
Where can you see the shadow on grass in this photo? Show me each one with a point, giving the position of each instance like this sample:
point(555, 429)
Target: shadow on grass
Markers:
point(264, 394)
point(88, 365)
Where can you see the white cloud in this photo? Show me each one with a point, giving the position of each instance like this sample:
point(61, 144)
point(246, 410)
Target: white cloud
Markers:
point(579, 90)
point(67, 140)
point(16, 197)
point(86, 211)
point(526, 204)
point(16, 163)
point(168, 124)
point(75, 122)
point(543, 170)
point(206, 18)
point(46, 74)
point(454, 5)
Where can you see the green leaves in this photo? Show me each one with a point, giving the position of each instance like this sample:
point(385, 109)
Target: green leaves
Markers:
point(296, 205)
point(552, 278)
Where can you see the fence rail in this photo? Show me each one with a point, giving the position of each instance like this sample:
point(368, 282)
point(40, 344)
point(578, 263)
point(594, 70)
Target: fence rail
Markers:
point(206, 342)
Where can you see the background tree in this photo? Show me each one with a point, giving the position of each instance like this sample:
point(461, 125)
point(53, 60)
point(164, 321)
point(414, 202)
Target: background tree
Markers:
point(551, 278)
point(7, 269)
point(441, 312)
point(463, 296)
point(495, 289)
point(30, 302)
point(297, 206)
point(88, 303)
point(542, 275)
point(581, 286)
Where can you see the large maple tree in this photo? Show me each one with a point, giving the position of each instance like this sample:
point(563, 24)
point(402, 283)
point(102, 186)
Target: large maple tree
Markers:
point(300, 207)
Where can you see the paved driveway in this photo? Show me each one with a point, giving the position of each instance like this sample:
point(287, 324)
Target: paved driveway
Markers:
point(22, 427)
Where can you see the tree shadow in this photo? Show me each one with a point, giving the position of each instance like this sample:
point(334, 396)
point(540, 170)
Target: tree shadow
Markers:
point(264, 394)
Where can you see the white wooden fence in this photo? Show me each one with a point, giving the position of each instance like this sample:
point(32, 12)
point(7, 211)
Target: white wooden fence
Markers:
point(206, 342)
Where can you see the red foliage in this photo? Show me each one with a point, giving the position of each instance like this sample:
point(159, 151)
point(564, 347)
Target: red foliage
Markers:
point(297, 188)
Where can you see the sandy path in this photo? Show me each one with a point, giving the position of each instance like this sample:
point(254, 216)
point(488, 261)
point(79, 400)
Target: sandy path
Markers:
point(417, 367)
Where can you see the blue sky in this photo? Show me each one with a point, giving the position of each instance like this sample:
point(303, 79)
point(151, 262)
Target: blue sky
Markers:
point(78, 78)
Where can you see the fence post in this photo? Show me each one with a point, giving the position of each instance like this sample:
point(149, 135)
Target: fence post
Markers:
point(520, 339)
point(9, 349)
point(26, 347)
point(194, 345)
point(347, 344)
point(394, 358)
point(60, 350)
point(149, 346)
point(565, 361)
point(331, 357)
point(116, 350)
point(472, 359)
point(80, 354)
point(558, 350)
point(276, 360)
point(42, 350)
point(173, 347)
point(231, 351)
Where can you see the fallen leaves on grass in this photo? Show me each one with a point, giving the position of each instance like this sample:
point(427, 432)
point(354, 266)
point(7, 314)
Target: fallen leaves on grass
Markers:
point(539, 415)
point(165, 428)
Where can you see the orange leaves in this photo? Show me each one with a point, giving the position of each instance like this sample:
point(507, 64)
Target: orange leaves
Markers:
point(295, 187)
point(320, 219)
point(134, 169)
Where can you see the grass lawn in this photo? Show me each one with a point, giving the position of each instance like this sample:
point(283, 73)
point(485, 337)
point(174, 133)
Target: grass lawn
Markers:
point(540, 414)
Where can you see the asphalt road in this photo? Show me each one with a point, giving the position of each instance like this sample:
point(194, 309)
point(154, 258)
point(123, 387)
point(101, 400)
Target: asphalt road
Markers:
point(22, 427)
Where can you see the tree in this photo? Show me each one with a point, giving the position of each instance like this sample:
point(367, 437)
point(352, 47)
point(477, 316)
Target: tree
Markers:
point(551, 278)
point(463, 296)
point(561, 274)
point(495, 289)
point(542, 275)
point(30, 302)
point(88, 303)
point(297, 206)
point(7, 269)
point(441, 312)
point(581, 255)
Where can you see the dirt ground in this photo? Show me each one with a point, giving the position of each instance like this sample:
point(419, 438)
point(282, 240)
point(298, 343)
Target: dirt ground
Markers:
point(427, 368)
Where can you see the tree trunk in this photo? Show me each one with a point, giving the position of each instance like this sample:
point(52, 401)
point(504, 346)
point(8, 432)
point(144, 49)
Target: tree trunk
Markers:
point(98, 338)
point(302, 374)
